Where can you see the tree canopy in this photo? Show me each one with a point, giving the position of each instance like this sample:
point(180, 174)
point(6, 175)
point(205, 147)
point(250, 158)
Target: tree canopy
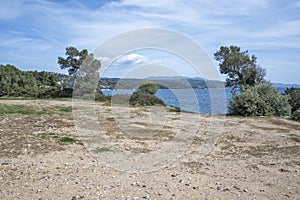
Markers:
point(73, 61)
point(241, 69)
point(14, 82)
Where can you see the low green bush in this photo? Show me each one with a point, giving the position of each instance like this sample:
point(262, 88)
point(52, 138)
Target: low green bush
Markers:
point(294, 100)
point(148, 87)
point(260, 100)
point(296, 115)
point(144, 99)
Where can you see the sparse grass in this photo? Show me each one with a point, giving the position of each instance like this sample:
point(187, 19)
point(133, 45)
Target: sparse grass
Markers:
point(16, 109)
point(268, 150)
point(57, 138)
point(30, 110)
point(64, 108)
point(101, 149)
point(295, 138)
point(35, 98)
point(66, 139)
point(173, 109)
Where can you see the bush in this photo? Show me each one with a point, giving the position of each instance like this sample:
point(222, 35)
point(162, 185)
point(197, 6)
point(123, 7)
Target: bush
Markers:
point(261, 100)
point(55, 92)
point(144, 99)
point(148, 87)
point(296, 115)
point(294, 98)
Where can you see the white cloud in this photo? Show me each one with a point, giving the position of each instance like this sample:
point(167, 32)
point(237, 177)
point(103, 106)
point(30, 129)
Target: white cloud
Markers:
point(132, 59)
point(47, 27)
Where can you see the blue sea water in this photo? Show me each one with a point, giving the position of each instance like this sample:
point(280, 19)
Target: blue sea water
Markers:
point(204, 101)
point(212, 101)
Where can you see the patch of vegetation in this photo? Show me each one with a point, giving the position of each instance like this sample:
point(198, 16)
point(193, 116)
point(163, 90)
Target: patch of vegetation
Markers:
point(173, 109)
point(64, 108)
point(66, 139)
point(45, 136)
point(261, 100)
point(144, 99)
point(101, 149)
point(296, 115)
point(294, 100)
point(148, 87)
point(57, 138)
point(16, 109)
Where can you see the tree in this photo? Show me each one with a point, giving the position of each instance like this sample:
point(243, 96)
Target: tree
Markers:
point(87, 78)
point(73, 61)
point(149, 87)
point(14, 82)
point(260, 100)
point(241, 69)
point(144, 96)
point(294, 94)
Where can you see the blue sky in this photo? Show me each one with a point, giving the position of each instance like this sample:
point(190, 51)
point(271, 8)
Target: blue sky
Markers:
point(35, 32)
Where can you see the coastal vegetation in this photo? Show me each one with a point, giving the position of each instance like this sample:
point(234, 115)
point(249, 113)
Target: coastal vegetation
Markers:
point(252, 94)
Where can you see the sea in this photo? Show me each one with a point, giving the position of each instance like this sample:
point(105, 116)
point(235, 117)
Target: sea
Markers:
point(205, 101)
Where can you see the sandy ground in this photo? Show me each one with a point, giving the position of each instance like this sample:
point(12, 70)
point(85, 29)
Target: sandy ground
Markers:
point(249, 158)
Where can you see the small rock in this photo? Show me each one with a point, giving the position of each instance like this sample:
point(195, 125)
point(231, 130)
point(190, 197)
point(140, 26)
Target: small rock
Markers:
point(222, 189)
point(147, 196)
point(283, 170)
point(173, 175)
point(14, 168)
point(236, 187)
point(245, 190)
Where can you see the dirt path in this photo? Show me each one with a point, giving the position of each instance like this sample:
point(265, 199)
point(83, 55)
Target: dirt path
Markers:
point(42, 156)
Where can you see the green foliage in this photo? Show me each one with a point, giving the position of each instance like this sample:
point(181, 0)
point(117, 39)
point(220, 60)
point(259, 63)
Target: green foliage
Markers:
point(59, 139)
point(144, 96)
point(261, 100)
point(294, 100)
point(54, 92)
point(73, 61)
point(16, 109)
point(14, 82)
point(296, 115)
point(86, 84)
point(64, 108)
point(101, 149)
point(144, 99)
point(241, 69)
point(66, 139)
point(149, 87)
point(44, 79)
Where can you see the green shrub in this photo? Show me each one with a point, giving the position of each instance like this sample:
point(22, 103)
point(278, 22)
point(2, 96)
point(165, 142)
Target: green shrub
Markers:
point(294, 100)
point(149, 87)
point(16, 109)
point(261, 100)
point(144, 99)
point(296, 115)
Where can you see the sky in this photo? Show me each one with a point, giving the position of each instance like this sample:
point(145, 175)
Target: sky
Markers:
point(35, 32)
